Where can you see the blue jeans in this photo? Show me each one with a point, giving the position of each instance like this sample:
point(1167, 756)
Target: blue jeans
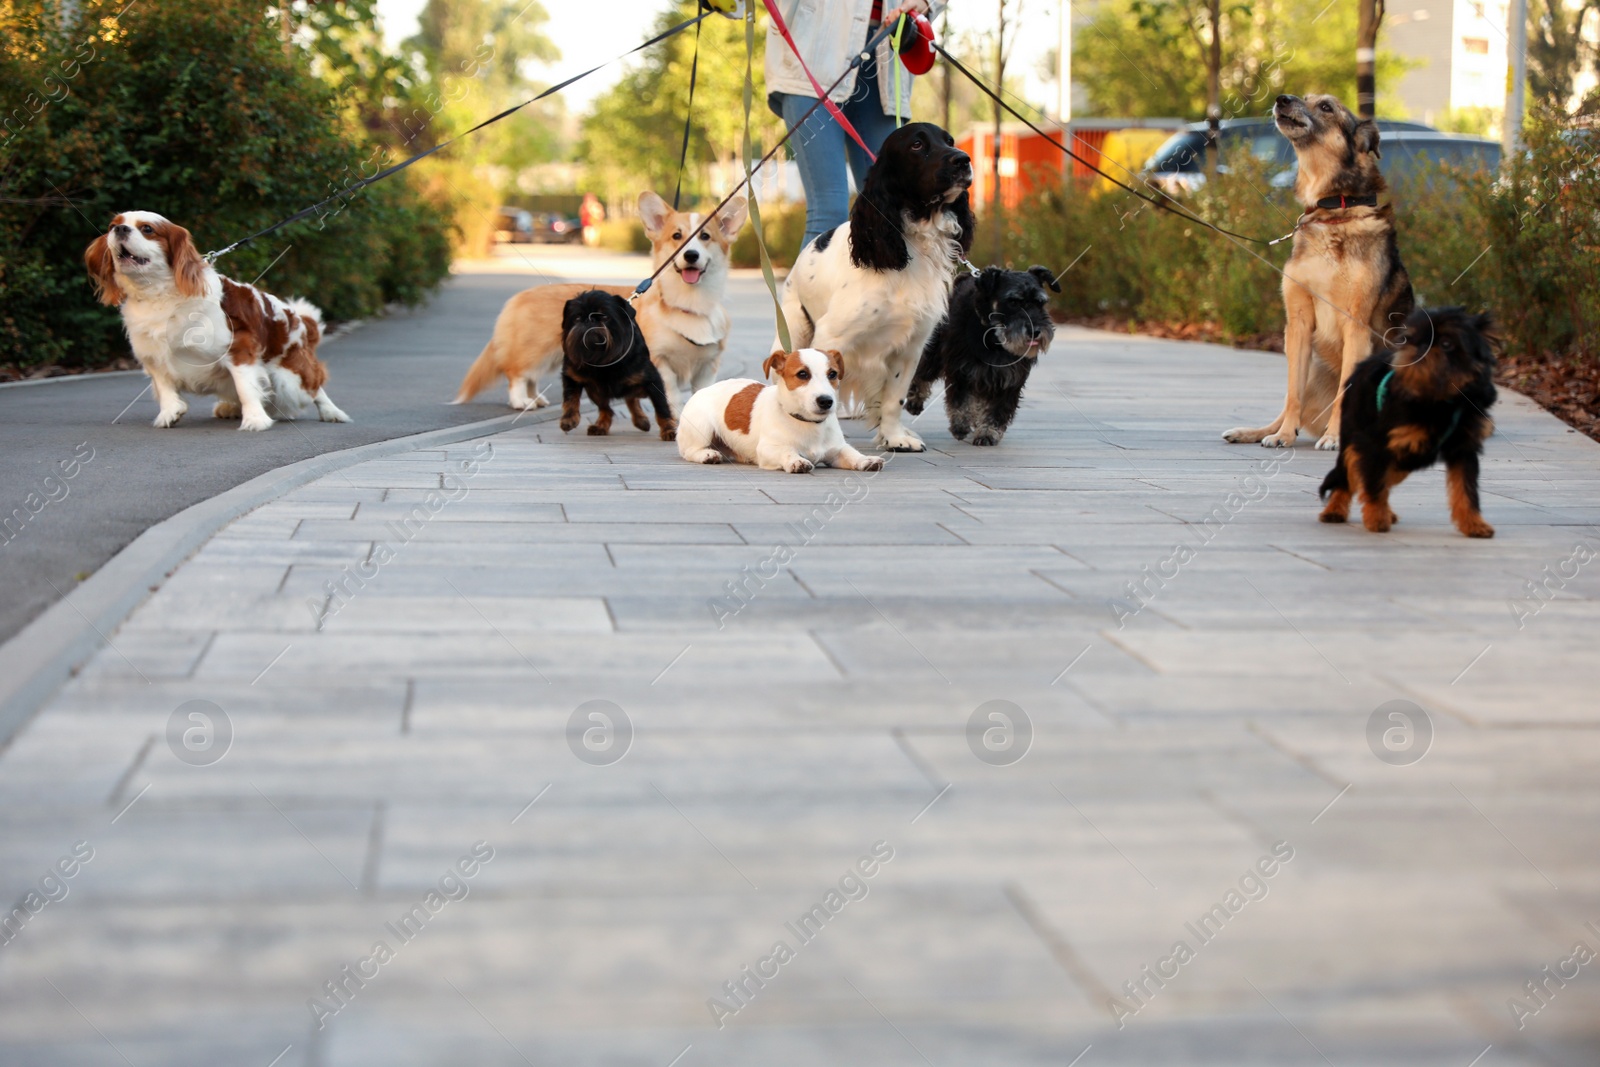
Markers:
point(822, 148)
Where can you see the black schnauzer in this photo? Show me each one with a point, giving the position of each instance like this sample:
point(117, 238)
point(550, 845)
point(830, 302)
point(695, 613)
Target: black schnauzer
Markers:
point(606, 355)
point(1425, 401)
point(997, 327)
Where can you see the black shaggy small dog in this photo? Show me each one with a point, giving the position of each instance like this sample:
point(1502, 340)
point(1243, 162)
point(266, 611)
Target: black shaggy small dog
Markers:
point(605, 354)
point(1406, 409)
point(997, 327)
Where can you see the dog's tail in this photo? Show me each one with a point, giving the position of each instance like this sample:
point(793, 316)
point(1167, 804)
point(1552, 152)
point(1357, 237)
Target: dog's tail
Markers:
point(484, 370)
point(306, 309)
point(1338, 479)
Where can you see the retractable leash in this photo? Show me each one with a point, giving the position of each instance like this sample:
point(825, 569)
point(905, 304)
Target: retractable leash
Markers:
point(212, 257)
point(865, 54)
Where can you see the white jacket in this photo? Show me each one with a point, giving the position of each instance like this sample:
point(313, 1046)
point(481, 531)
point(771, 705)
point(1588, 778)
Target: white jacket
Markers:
point(830, 33)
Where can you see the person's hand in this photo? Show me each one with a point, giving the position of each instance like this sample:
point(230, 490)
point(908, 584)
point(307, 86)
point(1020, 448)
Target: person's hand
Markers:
point(910, 7)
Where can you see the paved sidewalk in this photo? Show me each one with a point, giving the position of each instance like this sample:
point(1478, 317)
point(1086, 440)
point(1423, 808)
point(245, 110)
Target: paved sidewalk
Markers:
point(1199, 768)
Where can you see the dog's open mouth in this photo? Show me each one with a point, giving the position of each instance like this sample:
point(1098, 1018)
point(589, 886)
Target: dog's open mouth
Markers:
point(125, 256)
point(690, 275)
point(1289, 120)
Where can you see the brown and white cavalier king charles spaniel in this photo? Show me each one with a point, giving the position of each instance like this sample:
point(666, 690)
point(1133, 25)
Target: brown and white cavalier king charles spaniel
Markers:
point(195, 331)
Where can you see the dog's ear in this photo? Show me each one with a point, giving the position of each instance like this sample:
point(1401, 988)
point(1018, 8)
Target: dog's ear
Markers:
point(1366, 138)
point(102, 266)
point(569, 316)
point(836, 361)
point(774, 362)
point(1486, 325)
point(876, 218)
point(653, 212)
point(988, 280)
point(731, 218)
point(188, 265)
point(1046, 278)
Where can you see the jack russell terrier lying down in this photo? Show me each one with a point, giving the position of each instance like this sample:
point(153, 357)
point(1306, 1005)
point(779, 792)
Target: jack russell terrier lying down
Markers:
point(792, 425)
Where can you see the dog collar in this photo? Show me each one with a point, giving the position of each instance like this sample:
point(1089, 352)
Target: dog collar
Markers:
point(1383, 394)
point(1330, 203)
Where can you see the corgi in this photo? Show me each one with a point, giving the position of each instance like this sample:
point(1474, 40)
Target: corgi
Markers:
point(681, 316)
point(791, 425)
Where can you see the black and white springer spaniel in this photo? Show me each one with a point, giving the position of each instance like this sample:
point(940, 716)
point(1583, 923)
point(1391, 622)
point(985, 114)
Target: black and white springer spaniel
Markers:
point(875, 287)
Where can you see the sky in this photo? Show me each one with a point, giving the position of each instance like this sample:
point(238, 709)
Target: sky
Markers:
point(573, 27)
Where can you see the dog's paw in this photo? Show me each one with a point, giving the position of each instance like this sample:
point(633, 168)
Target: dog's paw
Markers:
point(799, 465)
point(904, 441)
point(255, 423)
point(332, 414)
point(1281, 439)
point(669, 430)
point(225, 409)
point(596, 430)
point(1377, 520)
point(1242, 435)
point(959, 430)
point(707, 456)
point(539, 401)
point(526, 405)
point(987, 437)
point(914, 405)
point(169, 417)
point(1328, 442)
point(870, 463)
point(1476, 528)
point(643, 423)
point(568, 425)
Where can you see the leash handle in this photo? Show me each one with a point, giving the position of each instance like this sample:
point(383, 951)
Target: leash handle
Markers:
point(833, 109)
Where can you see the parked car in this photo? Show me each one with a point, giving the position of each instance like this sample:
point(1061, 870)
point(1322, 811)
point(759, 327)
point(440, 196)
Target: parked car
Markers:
point(1403, 155)
point(551, 228)
point(1179, 165)
point(514, 226)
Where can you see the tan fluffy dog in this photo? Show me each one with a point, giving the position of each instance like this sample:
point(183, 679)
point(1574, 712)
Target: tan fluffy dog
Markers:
point(681, 316)
point(1344, 286)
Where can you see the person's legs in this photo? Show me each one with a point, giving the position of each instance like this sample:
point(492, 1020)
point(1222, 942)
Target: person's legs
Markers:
point(817, 147)
point(864, 109)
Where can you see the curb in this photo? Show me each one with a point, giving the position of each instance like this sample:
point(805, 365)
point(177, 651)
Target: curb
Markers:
point(39, 659)
point(93, 376)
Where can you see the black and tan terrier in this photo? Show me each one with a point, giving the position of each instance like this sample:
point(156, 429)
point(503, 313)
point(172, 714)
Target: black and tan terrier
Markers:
point(605, 355)
point(1424, 402)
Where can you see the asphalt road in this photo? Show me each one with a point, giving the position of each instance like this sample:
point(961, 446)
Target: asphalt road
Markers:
point(394, 376)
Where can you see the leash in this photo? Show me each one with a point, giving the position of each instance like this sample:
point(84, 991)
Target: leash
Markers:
point(212, 257)
point(1166, 202)
point(749, 176)
point(688, 118)
point(894, 42)
point(864, 54)
point(833, 109)
point(1383, 394)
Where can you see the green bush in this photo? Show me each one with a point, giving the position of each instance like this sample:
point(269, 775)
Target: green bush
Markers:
point(190, 108)
point(1524, 243)
point(783, 226)
point(623, 235)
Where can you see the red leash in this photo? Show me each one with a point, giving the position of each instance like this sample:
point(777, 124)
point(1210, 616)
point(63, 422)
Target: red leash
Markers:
point(833, 109)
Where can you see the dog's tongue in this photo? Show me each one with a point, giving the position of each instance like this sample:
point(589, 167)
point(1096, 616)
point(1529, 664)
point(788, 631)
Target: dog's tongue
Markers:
point(691, 275)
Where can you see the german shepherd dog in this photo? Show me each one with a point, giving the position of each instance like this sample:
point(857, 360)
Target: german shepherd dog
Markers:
point(605, 354)
point(1344, 285)
point(1424, 401)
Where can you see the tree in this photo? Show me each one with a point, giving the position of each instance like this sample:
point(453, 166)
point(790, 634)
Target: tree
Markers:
point(1146, 59)
point(1557, 50)
point(632, 136)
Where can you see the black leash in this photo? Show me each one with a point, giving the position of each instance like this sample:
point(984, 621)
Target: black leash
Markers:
point(403, 164)
point(688, 115)
point(1165, 202)
point(866, 53)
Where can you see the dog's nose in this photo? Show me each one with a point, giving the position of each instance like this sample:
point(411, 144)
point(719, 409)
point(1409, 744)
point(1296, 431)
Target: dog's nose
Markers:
point(824, 403)
point(961, 159)
point(1285, 101)
point(121, 230)
point(691, 255)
